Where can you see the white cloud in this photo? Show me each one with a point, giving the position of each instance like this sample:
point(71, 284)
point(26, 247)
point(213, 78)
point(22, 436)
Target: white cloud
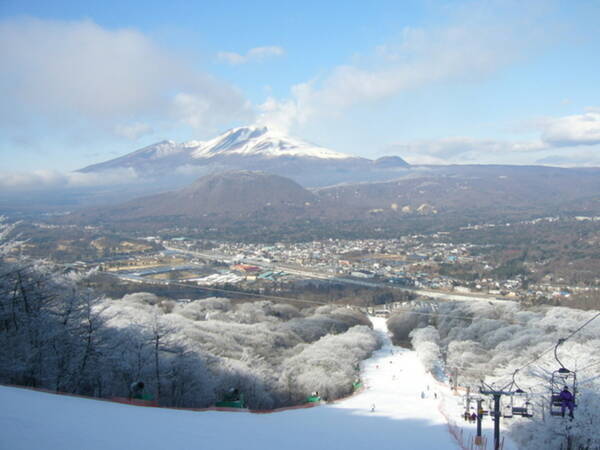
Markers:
point(133, 131)
point(460, 149)
point(568, 131)
point(283, 114)
point(566, 141)
point(40, 179)
point(78, 74)
point(200, 113)
point(105, 178)
point(252, 55)
point(52, 179)
point(477, 46)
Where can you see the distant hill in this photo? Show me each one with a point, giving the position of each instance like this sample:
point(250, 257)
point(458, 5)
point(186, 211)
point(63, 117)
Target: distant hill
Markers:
point(222, 196)
point(427, 198)
point(475, 187)
point(387, 162)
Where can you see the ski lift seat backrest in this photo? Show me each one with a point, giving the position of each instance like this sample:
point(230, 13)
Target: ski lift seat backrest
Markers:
point(519, 410)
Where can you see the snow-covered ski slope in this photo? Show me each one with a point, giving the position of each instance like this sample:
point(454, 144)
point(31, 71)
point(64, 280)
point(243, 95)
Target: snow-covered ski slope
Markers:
point(388, 414)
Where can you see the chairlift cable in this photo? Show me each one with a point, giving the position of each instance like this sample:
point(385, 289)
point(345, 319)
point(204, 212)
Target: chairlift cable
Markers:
point(561, 341)
point(592, 378)
point(581, 327)
point(588, 366)
point(589, 380)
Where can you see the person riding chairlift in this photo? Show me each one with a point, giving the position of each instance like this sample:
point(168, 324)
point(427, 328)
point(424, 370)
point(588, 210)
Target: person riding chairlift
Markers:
point(567, 401)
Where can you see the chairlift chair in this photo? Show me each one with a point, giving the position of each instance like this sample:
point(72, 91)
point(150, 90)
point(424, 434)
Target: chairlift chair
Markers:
point(487, 407)
point(528, 409)
point(561, 378)
point(522, 405)
point(507, 410)
point(519, 401)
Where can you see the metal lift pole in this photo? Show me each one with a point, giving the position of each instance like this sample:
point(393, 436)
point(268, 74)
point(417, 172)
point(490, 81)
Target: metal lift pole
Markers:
point(478, 440)
point(496, 394)
point(497, 420)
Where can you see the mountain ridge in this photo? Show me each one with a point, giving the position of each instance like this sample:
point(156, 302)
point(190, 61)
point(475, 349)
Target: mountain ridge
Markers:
point(461, 194)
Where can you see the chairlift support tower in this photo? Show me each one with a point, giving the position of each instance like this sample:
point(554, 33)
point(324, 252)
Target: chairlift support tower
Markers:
point(497, 395)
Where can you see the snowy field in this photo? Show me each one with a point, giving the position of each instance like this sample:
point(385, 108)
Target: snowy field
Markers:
point(389, 413)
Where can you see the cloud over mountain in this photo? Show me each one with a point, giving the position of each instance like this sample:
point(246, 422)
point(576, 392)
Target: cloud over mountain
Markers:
point(574, 130)
point(78, 74)
point(478, 42)
point(43, 180)
point(569, 140)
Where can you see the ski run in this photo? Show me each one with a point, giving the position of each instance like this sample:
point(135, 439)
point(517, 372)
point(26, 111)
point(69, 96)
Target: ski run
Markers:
point(400, 407)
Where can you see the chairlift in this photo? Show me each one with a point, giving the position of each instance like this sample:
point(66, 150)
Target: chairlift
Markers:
point(487, 406)
point(470, 407)
point(521, 403)
point(507, 410)
point(561, 378)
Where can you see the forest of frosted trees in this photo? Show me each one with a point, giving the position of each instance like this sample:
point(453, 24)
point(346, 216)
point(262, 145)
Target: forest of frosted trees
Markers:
point(57, 335)
point(484, 341)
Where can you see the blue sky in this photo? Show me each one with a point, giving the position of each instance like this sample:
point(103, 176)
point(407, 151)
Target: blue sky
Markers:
point(501, 82)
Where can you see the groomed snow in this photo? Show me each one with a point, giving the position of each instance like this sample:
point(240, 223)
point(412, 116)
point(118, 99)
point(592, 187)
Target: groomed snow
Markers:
point(394, 380)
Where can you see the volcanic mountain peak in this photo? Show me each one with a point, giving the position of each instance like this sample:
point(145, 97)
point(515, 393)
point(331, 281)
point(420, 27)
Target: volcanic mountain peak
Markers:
point(261, 141)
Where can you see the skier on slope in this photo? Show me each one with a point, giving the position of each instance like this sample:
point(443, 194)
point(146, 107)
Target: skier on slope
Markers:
point(567, 401)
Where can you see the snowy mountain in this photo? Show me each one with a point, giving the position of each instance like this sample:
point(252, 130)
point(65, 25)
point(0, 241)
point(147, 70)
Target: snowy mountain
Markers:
point(244, 142)
point(260, 141)
point(164, 154)
point(250, 148)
